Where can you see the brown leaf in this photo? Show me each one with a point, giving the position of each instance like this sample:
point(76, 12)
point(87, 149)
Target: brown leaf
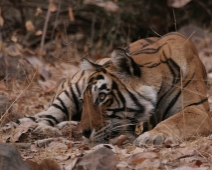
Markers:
point(49, 164)
point(2, 85)
point(38, 32)
point(52, 7)
point(1, 19)
point(46, 164)
point(108, 6)
point(138, 161)
point(140, 157)
point(38, 11)
point(177, 3)
point(120, 140)
point(14, 38)
point(29, 26)
point(71, 14)
point(149, 164)
point(60, 145)
point(189, 168)
point(21, 129)
point(196, 164)
point(139, 128)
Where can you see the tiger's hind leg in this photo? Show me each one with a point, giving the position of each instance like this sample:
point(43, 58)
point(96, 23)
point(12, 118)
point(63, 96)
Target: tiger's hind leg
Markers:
point(185, 125)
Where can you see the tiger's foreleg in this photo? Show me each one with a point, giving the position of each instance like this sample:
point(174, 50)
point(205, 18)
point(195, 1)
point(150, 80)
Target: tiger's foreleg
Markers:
point(185, 125)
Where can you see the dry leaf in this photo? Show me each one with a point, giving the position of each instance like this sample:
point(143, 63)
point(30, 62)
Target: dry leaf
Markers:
point(38, 32)
point(52, 7)
point(2, 85)
point(71, 14)
point(1, 19)
point(177, 3)
point(21, 129)
point(139, 128)
point(138, 161)
point(189, 168)
point(120, 140)
point(140, 157)
point(108, 6)
point(29, 26)
point(149, 164)
point(59, 145)
point(38, 11)
point(14, 38)
point(69, 164)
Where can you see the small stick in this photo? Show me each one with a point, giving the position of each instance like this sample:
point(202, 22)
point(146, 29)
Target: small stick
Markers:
point(175, 21)
point(44, 31)
point(155, 32)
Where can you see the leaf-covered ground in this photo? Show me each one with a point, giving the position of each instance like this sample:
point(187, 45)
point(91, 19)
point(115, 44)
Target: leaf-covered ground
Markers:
point(70, 151)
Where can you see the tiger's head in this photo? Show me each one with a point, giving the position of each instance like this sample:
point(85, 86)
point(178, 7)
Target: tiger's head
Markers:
point(115, 99)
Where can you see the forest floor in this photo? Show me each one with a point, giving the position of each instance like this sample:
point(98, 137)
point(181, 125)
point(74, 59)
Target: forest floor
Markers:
point(30, 95)
point(68, 151)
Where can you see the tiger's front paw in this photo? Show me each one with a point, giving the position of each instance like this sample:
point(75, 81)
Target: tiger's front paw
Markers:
point(152, 138)
point(46, 130)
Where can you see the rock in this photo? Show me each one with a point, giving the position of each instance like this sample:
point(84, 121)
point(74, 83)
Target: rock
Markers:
point(11, 158)
point(100, 159)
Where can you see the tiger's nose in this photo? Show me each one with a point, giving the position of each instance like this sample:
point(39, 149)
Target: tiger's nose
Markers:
point(87, 133)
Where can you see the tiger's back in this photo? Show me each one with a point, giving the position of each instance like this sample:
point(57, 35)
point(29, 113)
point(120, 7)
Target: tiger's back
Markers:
point(171, 69)
point(174, 60)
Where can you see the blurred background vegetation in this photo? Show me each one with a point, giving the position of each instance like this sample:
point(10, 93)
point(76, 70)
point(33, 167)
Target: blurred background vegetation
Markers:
point(95, 26)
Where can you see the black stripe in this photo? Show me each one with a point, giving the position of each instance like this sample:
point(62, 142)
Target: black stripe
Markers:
point(171, 104)
point(197, 103)
point(52, 117)
point(135, 100)
point(115, 87)
point(32, 118)
point(114, 96)
point(154, 65)
point(99, 77)
point(149, 40)
point(63, 84)
point(67, 94)
point(59, 107)
point(148, 51)
point(172, 67)
point(76, 101)
point(103, 86)
point(65, 110)
point(77, 85)
point(50, 122)
point(17, 121)
point(189, 80)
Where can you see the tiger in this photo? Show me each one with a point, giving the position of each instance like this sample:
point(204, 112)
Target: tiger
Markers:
point(159, 83)
point(154, 82)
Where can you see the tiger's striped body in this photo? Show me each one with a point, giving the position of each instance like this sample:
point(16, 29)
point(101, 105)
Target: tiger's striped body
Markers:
point(161, 81)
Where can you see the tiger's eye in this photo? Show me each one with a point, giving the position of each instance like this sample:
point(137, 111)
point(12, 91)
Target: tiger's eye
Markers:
point(102, 96)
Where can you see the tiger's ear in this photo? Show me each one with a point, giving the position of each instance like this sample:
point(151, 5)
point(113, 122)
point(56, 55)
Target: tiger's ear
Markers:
point(88, 65)
point(124, 63)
